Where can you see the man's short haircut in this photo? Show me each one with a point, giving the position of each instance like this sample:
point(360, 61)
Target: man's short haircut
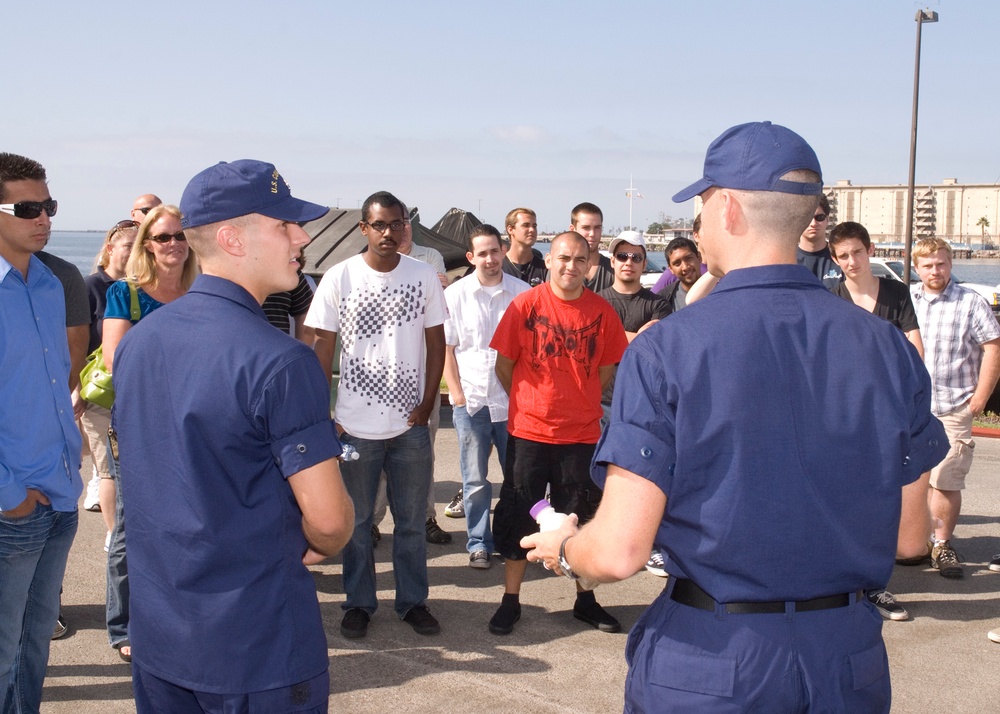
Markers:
point(201, 239)
point(572, 235)
point(484, 230)
point(680, 243)
point(511, 219)
point(696, 226)
point(585, 207)
point(18, 168)
point(824, 203)
point(846, 231)
point(383, 199)
point(141, 265)
point(777, 215)
point(927, 246)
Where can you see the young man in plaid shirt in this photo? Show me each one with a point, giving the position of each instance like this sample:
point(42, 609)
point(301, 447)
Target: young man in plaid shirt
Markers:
point(962, 353)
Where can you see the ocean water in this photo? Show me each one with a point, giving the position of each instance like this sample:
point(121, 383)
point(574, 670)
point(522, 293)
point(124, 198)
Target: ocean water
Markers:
point(78, 247)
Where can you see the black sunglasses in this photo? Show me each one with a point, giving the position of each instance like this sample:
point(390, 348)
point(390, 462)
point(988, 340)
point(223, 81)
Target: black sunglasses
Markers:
point(165, 237)
point(31, 209)
point(819, 217)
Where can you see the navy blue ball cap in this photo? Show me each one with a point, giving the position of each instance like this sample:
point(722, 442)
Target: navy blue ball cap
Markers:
point(230, 190)
point(754, 157)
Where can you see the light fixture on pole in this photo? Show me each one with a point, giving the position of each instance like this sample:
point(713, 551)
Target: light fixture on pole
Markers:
point(922, 17)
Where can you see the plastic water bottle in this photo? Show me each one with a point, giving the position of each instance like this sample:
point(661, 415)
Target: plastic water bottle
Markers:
point(547, 518)
point(349, 453)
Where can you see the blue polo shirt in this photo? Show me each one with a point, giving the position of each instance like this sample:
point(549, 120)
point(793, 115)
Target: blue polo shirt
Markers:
point(215, 410)
point(781, 422)
point(39, 441)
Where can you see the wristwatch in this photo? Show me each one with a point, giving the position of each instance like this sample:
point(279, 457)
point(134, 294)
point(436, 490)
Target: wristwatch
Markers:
point(563, 563)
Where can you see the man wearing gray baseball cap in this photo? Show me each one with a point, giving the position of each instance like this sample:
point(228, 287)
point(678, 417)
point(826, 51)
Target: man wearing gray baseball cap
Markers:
point(228, 454)
point(760, 438)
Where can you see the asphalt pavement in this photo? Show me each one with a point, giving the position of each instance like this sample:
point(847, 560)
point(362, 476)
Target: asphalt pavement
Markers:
point(940, 659)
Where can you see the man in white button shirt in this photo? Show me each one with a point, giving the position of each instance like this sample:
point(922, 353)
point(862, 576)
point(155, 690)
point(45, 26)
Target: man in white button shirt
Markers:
point(475, 305)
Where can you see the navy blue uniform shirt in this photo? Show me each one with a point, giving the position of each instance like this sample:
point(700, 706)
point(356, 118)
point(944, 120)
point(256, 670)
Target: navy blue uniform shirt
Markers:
point(781, 423)
point(214, 410)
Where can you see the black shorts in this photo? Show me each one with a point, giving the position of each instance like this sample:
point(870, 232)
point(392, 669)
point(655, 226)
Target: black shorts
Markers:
point(529, 468)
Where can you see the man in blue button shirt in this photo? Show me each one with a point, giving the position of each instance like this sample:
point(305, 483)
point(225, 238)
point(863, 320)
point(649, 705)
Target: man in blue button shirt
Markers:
point(229, 471)
point(39, 442)
point(761, 438)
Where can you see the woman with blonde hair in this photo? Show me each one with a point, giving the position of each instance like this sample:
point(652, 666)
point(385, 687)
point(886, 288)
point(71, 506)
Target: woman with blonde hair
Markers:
point(160, 268)
point(109, 266)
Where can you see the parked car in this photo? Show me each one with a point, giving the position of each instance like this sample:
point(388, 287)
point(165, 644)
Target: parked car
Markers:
point(893, 269)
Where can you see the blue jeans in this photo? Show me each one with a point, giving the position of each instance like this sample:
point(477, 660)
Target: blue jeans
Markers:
point(117, 582)
point(407, 462)
point(476, 434)
point(33, 553)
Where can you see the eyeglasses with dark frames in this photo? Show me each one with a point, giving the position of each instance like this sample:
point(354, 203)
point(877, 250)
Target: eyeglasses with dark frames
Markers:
point(30, 209)
point(381, 226)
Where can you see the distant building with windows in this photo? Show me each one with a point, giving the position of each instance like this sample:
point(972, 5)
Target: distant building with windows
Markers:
point(949, 210)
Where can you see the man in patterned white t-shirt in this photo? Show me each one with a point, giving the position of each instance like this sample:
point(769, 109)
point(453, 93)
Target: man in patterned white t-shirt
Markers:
point(384, 306)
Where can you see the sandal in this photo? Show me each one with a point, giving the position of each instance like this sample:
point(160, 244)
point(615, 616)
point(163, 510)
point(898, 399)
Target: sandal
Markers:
point(121, 648)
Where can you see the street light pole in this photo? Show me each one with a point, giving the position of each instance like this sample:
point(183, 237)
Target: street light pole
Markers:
point(922, 17)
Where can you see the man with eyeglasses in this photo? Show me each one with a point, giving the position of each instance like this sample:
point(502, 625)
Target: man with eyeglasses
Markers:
point(388, 311)
point(143, 205)
point(813, 251)
point(434, 533)
point(39, 443)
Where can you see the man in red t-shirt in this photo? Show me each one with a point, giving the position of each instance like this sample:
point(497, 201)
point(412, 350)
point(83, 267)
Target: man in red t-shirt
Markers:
point(557, 346)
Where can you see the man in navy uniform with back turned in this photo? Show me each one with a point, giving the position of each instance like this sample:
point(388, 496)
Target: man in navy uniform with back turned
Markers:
point(230, 478)
point(818, 416)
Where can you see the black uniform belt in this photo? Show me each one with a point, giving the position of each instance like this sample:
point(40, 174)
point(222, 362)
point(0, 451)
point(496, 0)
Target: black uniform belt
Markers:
point(686, 592)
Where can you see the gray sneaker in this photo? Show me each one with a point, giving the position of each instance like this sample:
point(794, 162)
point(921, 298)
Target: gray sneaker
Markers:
point(480, 559)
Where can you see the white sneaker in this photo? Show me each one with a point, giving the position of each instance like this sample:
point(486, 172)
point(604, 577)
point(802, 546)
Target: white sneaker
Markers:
point(994, 635)
point(92, 502)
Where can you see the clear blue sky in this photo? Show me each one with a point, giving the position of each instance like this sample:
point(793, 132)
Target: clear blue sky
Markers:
point(543, 104)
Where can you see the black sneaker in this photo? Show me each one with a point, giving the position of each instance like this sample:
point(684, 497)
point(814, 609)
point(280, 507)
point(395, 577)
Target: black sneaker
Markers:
point(503, 620)
point(355, 623)
point(435, 534)
point(885, 602)
point(61, 628)
point(455, 509)
point(422, 621)
point(376, 536)
point(995, 563)
point(596, 616)
point(946, 560)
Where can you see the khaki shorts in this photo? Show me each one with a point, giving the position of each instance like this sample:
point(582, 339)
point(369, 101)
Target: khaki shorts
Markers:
point(950, 474)
point(95, 422)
